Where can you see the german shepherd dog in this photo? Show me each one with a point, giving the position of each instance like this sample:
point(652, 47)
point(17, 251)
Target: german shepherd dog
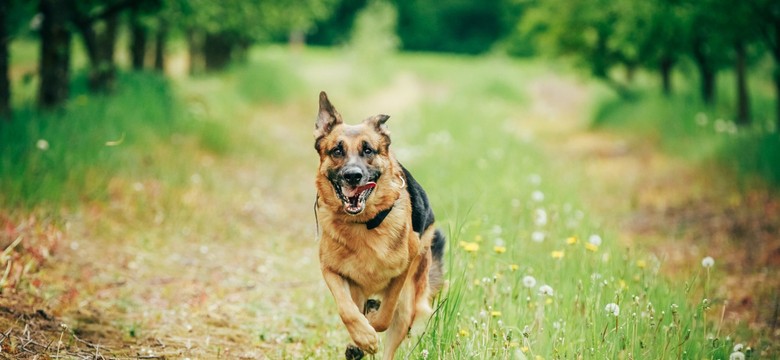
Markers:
point(377, 233)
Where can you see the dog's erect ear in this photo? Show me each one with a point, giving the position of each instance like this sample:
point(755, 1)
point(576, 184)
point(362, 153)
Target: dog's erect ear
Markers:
point(378, 122)
point(327, 118)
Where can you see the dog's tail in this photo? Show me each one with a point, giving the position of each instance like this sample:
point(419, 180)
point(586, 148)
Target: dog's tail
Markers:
point(436, 272)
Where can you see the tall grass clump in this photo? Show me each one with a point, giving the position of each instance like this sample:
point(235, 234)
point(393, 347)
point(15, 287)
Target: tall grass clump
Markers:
point(69, 155)
point(684, 126)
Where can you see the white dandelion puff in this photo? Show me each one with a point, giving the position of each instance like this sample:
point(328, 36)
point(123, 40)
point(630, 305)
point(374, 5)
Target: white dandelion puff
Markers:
point(546, 290)
point(739, 347)
point(529, 281)
point(737, 356)
point(42, 144)
point(708, 262)
point(613, 309)
point(537, 236)
point(540, 217)
point(595, 240)
point(537, 196)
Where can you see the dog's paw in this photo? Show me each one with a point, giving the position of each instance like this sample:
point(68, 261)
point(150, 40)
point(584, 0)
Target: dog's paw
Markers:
point(354, 353)
point(372, 305)
point(366, 338)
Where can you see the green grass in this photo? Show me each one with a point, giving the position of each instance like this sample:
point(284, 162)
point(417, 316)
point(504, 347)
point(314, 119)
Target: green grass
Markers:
point(487, 196)
point(684, 126)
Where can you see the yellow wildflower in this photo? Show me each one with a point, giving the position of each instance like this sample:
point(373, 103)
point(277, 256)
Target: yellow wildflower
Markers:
point(514, 344)
point(557, 254)
point(514, 267)
point(499, 249)
point(471, 247)
point(462, 243)
point(548, 301)
point(591, 247)
point(524, 349)
point(463, 332)
point(571, 240)
point(478, 238)
point(538, 358)
point(641, 264)
point(495, 313)
point(623, 284)
point(476, 282)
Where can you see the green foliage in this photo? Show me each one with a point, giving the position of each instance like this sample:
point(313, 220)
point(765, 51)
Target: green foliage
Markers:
point(374, 33)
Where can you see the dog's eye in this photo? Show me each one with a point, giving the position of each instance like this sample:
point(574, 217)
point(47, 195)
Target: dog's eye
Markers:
point(368, 151)
point(337, 152)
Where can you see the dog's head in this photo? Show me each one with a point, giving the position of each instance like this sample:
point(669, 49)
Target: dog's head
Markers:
point(353, 158)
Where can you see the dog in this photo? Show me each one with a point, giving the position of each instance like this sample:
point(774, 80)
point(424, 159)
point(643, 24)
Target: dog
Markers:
point(377, 233)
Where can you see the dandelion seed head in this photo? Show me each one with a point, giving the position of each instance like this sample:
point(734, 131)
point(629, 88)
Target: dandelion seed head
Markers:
point(529, 281)
point(612, 309)
point(42, 144)
point(537, 196)
point(739, 347)
point(708, 262)
point(737, 356)
point(546, 290)
point(540, 217)
point(537, 236)
point(595, 240)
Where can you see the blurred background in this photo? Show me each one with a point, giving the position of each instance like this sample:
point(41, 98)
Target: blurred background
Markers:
point(146, 143)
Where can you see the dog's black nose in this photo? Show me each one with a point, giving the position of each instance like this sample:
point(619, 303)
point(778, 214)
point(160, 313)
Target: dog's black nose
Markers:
point(353, 176)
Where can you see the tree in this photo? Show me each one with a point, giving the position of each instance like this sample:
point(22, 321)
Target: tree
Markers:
point(55, 54)
point(5, 83)
point(767, 14)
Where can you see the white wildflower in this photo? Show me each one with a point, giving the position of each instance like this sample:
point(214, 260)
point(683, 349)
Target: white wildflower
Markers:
point(708, 262)
point(537, 236)
point(537, 196)
point(546, 290)
point(540, 218)
point(613, 309)
point(424, 353)
point(595, 240)
point(42, 144)
point(739, 347)
point(737, 356)
point(529, 281)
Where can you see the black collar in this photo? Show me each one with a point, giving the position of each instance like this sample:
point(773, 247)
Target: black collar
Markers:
point(377, 220)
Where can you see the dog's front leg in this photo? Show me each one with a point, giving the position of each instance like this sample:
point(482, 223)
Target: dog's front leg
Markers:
point(382, 318)
point(364, 336)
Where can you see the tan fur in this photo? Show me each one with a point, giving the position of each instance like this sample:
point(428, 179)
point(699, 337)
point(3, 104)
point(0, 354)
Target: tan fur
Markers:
point(390, 261)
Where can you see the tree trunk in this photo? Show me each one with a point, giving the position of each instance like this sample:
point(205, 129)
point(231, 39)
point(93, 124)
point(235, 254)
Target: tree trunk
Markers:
point(159, 46)
point(5, 83)
point(138, 34)
point(55, 54)
point(777, 96)
point(195, 51)
point(666, 75)
point(743, 99)
point(217, 49)
point(706, 72)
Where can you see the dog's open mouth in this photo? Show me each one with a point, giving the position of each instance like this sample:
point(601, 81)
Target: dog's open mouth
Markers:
point(354, 198)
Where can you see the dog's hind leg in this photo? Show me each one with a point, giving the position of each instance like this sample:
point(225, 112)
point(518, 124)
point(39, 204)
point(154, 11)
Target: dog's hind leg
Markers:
point(402, 320)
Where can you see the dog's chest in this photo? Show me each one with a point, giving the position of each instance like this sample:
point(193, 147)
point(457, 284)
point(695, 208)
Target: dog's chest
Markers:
point(370, 261)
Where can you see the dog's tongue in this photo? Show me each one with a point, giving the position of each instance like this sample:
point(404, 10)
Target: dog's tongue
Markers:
point(356, 191)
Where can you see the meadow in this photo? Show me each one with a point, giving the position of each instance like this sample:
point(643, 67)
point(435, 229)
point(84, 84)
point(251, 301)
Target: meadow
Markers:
point(185, 229)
